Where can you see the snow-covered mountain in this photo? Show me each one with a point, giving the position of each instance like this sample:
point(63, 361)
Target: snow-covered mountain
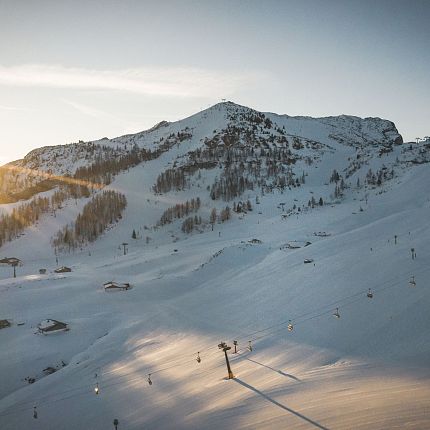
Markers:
point(327, 216)
point(209, 125)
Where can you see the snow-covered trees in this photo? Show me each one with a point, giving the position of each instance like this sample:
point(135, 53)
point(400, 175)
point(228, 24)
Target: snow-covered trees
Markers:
point(242, 206)
point(225, 214)
point(335, 177)
point(179, 211)
point(12, 224)
point(246, 158)
point(189, 224)
point(231, 184)
point(377, 178)
point(103, 210)
point(213, 217)
point(170, 179)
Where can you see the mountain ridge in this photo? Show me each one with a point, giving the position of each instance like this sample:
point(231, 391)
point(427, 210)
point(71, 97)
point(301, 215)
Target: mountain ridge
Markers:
point(217, 106)
point(66, 159)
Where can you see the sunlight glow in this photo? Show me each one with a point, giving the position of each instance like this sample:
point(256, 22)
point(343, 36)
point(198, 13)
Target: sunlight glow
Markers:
point(46, 175)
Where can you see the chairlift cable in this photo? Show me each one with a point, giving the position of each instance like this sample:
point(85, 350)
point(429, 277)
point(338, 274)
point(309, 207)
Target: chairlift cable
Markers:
point(356, 297)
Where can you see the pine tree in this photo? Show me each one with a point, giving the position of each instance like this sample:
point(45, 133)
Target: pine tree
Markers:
point(213, 217)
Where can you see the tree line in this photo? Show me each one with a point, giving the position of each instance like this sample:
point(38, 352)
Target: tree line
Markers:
point(179, 211)
point(103, 210)
point(25, 215)
point(243, 168)
point(192, 222)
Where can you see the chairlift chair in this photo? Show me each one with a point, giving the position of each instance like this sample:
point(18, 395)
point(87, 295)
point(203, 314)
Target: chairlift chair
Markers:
point(370, 294)
point(149, 379)
point(198, 359)
point(290, 326)
point(336, 313)
point(412, 282)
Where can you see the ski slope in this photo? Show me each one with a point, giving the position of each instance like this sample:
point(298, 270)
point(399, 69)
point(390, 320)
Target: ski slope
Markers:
point(368, 369)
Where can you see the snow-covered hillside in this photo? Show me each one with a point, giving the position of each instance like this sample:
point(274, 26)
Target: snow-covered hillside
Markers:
point(243, 279)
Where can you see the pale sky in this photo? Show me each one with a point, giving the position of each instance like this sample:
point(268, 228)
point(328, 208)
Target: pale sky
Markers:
point(83, 69)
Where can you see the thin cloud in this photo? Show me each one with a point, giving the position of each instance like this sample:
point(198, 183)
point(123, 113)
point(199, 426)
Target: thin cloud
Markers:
point(176, 82)
point(89, 110)
point(13, 108)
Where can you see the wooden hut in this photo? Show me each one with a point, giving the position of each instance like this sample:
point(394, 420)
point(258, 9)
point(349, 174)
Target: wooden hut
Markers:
point(11, 261)
point(52, 326)
point(115, 286)
point(63, 269)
